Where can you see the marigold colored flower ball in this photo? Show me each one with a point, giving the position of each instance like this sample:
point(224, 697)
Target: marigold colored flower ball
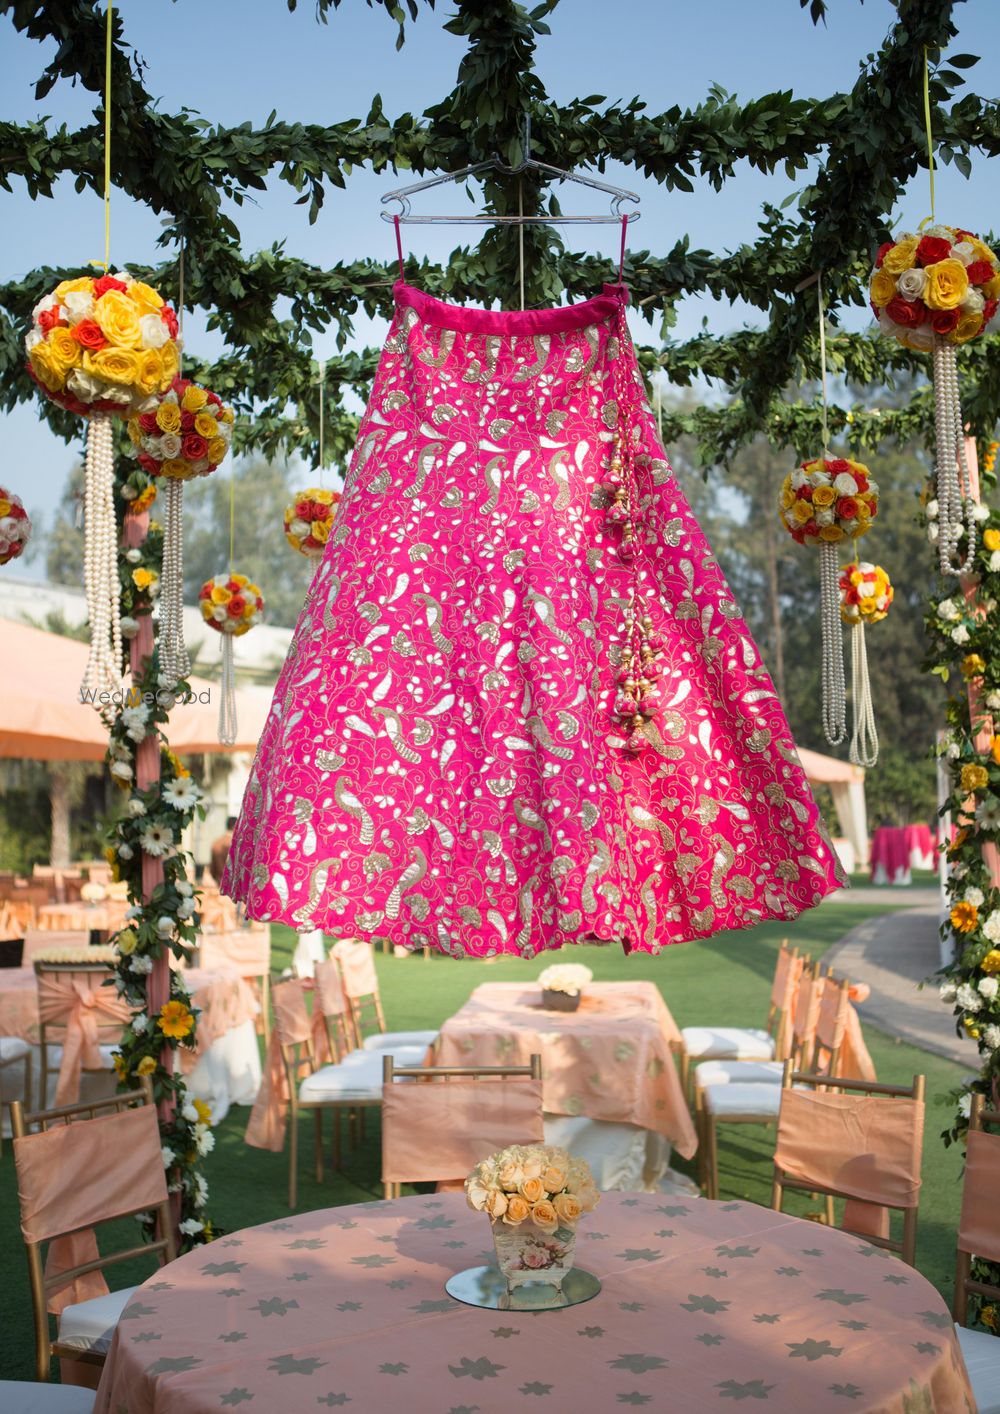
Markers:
point(186, 435)
point(231, 603)
point(943, 282)
point(15, 526)
point(309, 518)
point(865, 593)
point(826, 501)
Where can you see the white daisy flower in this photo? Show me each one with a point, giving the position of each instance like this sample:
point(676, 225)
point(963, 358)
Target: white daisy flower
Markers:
point(182, 793)
point(156, 840)
point(168, 1156)
point(988, 813)
point(190, 1226)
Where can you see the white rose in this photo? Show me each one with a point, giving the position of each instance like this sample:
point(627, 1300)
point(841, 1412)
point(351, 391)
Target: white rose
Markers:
point(947, 991)
point(968, 998)
point(153, 331)
point(991, 1037)
point(993, 700)
point(945, 232)
point(189, 1226)
point(965, 1106)
point(931, 510)
point(133, 556)
point(129, 626)
point(974, 896)
point(121, 770)
point(948, 609)
point(219, 614)
point(964, 252)
point(79, 305)
point(921, 338)
point(960, 634)
point(980, 512)
point(170, 445)
point(136, 807)
point(911, 284)
point(86, 387)
point(988, 987)
point(143, 966)
point(125, 851)
point(299, 529)
point(165, 927)
point(33, 338)
point(953, 751)
point(140, 1023)
point(991, 928)
point(825, 515)
point(959, 871)
point(49, 302)
point(973, 303)
point(994, 561)
point(932, 532)
point(183, 887)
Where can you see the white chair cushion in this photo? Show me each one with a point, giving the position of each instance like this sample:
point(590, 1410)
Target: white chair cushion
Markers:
point(12, 1048)
point(91, 1324)
point(736, 1072)
point(357, 1077)
point(727, 1043)
point(981, 1352)
point(393, 1040)
point(23, 1397)
point(741, 1101)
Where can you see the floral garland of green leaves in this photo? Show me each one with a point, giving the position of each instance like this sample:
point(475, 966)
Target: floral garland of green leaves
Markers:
point(153, 822)
point(964, 639)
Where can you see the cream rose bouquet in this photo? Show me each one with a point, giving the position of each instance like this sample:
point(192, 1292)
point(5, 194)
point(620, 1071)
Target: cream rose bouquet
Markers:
point(568, 977)
point(534, 1185)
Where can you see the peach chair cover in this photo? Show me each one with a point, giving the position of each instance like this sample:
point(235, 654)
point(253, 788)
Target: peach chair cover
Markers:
point(246, 949)
point(67, 1180)
point(979, 1224)
point(469, 1120)
point(805, 1010)
point(787, 974)
point(357, 966)
point(329, 999)
point(83, 1004)
point(831, 1023)
point(217, 913)
point(269, 1116)
point(866, 1147)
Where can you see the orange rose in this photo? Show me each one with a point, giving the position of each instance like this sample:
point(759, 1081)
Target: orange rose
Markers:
point(568, 1208)
point(543, 1215)
point(532, 1190)
point(554, 1179)
point(517, 1210)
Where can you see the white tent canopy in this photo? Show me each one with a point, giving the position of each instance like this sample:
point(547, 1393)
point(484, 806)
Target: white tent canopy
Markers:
point(847, 786)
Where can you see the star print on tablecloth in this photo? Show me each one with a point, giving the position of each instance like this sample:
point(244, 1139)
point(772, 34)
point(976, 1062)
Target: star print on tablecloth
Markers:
point(638, 1364)
point(332, 1400)
point(536, 1387)
point(810, 1349)
point(709, 1338)
point(231, 1337)
point(766, 1318)
point(275, 1306)
point(399, 1368)
point(505, 1332)
point(293, 1365)
point(222, 1269)
point(842, 1298)
point(709, 1304)
point(172, 1365)
point(429, 1305)
point(591, 1332)
point(848, 1391)
point(299, 1276)
point(146, 1335)
point(751, 1389)
point(634, 1396)
point(481, 1369)
point(236, 1396)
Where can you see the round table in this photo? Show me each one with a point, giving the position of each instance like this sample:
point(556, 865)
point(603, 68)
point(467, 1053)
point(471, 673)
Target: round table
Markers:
point(702, 1303)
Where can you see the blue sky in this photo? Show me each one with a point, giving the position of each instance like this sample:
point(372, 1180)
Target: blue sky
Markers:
point(235, 60)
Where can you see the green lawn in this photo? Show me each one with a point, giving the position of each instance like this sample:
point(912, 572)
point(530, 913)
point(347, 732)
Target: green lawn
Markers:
point(727, 977)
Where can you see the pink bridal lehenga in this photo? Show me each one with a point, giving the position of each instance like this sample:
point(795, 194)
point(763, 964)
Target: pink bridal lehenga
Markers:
point(520, 707)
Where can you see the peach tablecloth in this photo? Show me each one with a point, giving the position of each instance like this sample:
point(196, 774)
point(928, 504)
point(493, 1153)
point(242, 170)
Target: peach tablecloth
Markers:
point(610, 1060)
point(705, 1306)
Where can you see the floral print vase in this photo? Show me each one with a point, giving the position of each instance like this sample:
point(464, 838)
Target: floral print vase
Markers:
point(526, 1253)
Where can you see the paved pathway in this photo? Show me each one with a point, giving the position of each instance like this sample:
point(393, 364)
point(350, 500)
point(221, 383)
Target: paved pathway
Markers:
point(893, 953)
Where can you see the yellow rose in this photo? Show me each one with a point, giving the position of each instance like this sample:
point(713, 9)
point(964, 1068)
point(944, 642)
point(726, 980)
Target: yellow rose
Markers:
point(178, 468)
point(883, 287)
point(206, 608)
point(119, 320)
point(251, 589)
point(496, 1203)
point(991, 962)
point(242, 627)
point(72, 287)
point(220, 595)
point(205, 425)
point(947, 284)
point(831, 533)
point(119, 1063)
point(554, 1179)
point(127, 940)
point(194, 399)
point(168, 418)
point(974, 777)
point(787, 498)
point(5, 507)
point(320, 530)
point(240, 579)
point(150, 375)
point(864, 509)
point(325, 498)
point(802, 511)
point(217, 449)
point(171, 362)
point(867, 607)
point(995, 749)
point(543, 1215)
point(824, 496)
point(146, 1066)
point(64, 351)
point(973, 665)
point(134, 431)
point(981, 249)
point(113, 365)
point(901, 257)
point(517, 1210)
point(991, 539)
point(145, 297)
point(567, 1207)
point(991, 290)
point(532, 1190)
point(44, 369)
point(249, 609)
point(967, 328)
point(143, 578)
point(226, 414)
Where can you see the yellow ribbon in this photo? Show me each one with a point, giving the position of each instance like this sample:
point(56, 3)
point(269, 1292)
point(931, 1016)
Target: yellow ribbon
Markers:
point(232, 509)
point(930, 139)
point(105, 264)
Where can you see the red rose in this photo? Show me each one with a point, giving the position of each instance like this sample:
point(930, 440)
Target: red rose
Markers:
point(883, 251)
point(310, 544)
point(836, 465)
point(214, 398)
point(195, 447)
point(804, 493)
point(50, 318)
point(187, 421)
point(260, 606)
point(89, 334)
point(861, 480)
point(205, 592)
point(799, 536)
point(874, 308)
point(106, 283)
point(989, 309)
point(236, 606)
point(170, 320)
point(979, 272)
point(847, 508)
point(907, 312)
point(148, 464)
point(873, 509)
point(944, 320)
point(811, 527)
point(932, 249)
point(17, 512)
point(302, 510)
point(232, 586)
point(148, 422)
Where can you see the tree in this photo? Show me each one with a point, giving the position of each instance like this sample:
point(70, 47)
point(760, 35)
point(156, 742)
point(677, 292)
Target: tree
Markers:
point(64, 555)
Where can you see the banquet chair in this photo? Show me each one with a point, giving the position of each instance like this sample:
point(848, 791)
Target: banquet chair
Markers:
point(702, 1043)
point(979, 1236)
point(15, 1051)
point(88, 1164)
point(23, 1397)
point(357, 967)
point(857, 1140)
point(249, 951)
point(471, 1112)
point(746, 1101)
point(80, 1024)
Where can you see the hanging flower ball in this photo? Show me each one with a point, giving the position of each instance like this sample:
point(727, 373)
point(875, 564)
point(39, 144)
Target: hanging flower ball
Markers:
point(15, 526)
point(105, 344)
point(231, 603)
point(187, 434)
point(308, 520)
point(828, 501)
point(944, 281)
point(865, 594)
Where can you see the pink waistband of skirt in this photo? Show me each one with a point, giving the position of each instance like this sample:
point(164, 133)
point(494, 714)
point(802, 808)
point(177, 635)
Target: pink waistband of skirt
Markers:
point(511, 321)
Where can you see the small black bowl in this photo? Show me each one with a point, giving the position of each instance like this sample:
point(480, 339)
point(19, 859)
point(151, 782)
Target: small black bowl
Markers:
point(560, 1001)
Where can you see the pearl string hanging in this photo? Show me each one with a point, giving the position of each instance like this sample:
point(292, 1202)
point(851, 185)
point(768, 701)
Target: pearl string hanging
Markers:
point(952, 498)
point(174, 660)
point(100, 563)
point(227, 699)
point(863, 750)
point(834, 688)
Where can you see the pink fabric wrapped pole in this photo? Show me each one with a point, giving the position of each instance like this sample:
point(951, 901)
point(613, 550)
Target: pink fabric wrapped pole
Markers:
point(83, 1003)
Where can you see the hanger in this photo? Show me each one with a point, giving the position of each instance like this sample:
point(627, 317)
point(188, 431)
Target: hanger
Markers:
point(614, 216)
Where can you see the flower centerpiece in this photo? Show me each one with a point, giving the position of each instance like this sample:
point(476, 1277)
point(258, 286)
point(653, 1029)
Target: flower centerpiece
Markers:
point(231, 604)
point(15, 526)
point(932, 291)
point(825, 501)
point(534, 1196)
point(562, 985)
point(308, 520)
